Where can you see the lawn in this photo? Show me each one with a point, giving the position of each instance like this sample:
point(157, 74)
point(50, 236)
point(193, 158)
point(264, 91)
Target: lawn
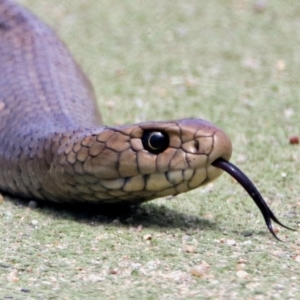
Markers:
point(235, 63)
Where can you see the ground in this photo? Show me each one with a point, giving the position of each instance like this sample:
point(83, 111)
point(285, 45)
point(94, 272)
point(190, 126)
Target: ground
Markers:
point(235, 63)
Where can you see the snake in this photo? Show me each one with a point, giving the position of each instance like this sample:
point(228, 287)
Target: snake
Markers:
point(55, 147)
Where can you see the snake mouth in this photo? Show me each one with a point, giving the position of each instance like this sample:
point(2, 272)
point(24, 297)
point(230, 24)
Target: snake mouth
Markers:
point(247, 184)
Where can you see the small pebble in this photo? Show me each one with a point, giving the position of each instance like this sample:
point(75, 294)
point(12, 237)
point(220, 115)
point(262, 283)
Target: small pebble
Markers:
point(260, 6)
point(297, 258)
point(189, 249)
point(147, 237)
point(242, 274)
point(113, 271)
point(280, 65)
point(200, 270)
point(139, 228)
point(240, 266)
point(294, 140)
point(12, 276)
point(231, 242)
point(34, 222)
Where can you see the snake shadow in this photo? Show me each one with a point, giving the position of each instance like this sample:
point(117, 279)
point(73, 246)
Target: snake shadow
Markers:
point(149, 215)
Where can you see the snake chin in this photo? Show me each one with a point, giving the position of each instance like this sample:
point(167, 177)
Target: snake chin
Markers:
point(141, 188)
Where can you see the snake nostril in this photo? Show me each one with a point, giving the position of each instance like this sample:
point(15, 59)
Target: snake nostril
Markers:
point(197, 145)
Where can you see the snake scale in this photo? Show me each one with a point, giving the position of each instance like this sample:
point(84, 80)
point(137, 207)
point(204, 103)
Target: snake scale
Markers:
point(53, 146)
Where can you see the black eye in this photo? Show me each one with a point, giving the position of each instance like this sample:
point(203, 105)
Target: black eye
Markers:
point(155, 141)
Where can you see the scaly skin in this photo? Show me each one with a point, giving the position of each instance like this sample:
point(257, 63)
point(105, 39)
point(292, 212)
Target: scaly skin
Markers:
point(51, 144)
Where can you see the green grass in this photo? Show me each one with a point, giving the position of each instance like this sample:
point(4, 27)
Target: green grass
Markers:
point(160, 60)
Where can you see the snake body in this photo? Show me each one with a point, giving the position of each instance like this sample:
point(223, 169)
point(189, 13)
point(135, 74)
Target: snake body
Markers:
point(53, 145)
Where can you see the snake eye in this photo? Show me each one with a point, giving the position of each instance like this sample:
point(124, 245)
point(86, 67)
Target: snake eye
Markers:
point(155, 141)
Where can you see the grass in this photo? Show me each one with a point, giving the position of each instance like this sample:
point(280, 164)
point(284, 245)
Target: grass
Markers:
point(156, 60)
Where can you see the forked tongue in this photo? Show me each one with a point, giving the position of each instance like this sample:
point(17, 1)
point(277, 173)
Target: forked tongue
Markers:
point(246, 183)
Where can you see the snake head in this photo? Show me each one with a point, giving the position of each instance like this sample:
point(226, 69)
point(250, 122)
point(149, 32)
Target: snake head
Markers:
point(140, 162)
point(155, 159)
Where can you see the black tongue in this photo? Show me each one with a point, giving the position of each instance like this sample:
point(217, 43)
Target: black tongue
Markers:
point(247, 184)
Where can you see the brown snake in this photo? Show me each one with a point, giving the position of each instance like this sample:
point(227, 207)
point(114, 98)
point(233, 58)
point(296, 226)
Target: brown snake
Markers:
point(53, 148)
